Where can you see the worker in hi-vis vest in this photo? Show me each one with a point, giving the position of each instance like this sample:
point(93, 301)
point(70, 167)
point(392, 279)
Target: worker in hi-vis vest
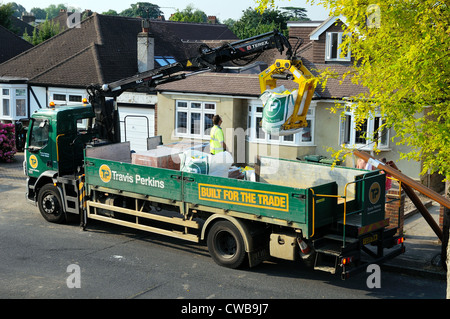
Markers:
point(217, 143)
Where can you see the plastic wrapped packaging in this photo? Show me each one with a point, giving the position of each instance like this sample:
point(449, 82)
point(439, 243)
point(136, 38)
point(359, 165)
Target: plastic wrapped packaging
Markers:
point(278, 105)
point(202, 163)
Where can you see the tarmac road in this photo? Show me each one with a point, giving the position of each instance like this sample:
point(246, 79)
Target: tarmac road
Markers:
point(37, 262)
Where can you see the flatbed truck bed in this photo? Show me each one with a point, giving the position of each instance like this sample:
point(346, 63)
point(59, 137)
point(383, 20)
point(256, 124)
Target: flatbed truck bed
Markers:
point(275, 216)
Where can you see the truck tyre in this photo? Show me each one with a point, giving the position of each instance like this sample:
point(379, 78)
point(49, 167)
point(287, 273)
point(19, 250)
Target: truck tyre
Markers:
point(49, 203)
point(226, 245)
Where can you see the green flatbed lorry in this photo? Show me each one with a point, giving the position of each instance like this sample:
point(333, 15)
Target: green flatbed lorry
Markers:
point(332, 219)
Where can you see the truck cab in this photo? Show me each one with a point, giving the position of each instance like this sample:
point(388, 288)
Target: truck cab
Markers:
point(54, 154)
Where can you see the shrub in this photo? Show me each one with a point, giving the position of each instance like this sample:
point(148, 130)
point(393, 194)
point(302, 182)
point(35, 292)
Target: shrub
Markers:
point(7, 143)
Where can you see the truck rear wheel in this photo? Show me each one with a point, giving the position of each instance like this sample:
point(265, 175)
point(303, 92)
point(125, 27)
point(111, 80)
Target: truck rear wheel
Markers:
point(49, 203)
point(226, 245)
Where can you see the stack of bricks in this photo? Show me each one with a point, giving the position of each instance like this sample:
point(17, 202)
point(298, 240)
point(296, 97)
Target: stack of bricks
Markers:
point(395, 208)
point(160, 157)
point(165, 156)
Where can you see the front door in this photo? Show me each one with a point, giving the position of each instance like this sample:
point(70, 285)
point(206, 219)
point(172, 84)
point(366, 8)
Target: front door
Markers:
point(39, 148)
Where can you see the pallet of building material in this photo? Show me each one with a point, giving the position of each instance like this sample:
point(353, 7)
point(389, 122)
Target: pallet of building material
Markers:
point(161, 157)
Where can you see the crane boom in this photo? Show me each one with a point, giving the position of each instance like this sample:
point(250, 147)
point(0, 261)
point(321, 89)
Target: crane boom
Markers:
point(208, 60)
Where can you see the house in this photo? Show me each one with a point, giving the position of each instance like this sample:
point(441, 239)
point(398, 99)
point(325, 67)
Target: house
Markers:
point(101, 49)
point(190, 104)
point(23, 26)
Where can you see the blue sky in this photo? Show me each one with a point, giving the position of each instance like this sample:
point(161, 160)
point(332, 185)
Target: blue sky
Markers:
point(222, 9)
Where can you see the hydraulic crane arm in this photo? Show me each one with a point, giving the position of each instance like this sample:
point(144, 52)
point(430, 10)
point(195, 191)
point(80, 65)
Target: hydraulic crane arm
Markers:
point(106, 113)
point(207, 60)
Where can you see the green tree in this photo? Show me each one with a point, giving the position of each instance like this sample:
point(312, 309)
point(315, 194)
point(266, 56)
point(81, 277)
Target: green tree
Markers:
point(253, 22)
point(142, 9)
point(401, 51)
point(111, 13)
point(190, 14)
point(6, 11)
point(45, 31)
point(19, 10)
point(38, 13)
point(297, 13)
point(54, 10)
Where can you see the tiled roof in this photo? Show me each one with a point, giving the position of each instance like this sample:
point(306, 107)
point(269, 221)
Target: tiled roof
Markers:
point(189, 32)
point(14, 45)
point(102, 50)
point(21, 27)
point(248, 85)
point(232, 84)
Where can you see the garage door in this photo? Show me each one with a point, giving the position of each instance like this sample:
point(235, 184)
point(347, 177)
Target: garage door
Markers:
point(136, 125)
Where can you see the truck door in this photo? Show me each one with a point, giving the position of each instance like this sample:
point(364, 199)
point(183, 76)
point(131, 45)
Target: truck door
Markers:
point(39, 147)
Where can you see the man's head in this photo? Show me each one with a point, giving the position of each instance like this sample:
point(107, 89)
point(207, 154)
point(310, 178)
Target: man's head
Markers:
point(217, 119)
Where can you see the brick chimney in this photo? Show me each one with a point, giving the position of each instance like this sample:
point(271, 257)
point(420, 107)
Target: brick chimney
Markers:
point(212, 20)
point(145, 48)
point(28, 18)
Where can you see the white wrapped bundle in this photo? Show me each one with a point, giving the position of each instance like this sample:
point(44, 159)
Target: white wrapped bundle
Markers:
point(278, 107)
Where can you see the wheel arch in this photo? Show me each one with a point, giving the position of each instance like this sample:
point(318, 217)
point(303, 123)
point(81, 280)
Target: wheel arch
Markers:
point(240, 225)
point(49, 177)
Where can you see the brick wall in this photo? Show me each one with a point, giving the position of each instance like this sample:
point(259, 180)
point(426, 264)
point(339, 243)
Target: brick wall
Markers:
point(395, 208)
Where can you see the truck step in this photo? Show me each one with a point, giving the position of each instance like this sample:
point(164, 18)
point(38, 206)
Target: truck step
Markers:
point(331, 248)
point(326, 262)
point(329, 269)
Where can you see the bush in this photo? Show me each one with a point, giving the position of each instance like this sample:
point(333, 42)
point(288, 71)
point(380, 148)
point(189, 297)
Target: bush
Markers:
point(7, 143)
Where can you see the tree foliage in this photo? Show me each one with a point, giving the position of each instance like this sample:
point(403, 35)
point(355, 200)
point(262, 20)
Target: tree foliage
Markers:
point(253, 22)
point(52, 11)
point(38, 13)
point(142, 9)
point(18, 9)
point(6, 11)
point(401, 51)
point(298, 13)
point(190, 14)
point(45, 31)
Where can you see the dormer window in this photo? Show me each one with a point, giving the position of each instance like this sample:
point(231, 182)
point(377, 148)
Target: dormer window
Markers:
point(334, 50)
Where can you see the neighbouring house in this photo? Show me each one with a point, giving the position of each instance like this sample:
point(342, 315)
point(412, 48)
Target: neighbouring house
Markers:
point(16, 44)
point(23, 25)
point(190, 104)
point(101, 49)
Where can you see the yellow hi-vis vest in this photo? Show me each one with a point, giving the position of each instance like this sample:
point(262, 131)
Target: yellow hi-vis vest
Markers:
point(215, 143)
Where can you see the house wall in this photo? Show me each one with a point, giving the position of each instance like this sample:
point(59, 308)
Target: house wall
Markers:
point(41, 98)
point(327, 123)
point(320, 45)
point(226, 107)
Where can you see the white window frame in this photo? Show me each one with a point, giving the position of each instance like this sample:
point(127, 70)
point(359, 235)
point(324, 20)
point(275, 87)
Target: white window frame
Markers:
point(329, 47)
point(5, 97)
point(206, 110)
point(67, 93)
point(254, 136)
point(348, 133)
point(13, 98)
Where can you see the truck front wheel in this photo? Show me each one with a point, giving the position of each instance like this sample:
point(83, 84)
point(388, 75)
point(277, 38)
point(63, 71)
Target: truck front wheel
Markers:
point(49, 203)
point(226, 245)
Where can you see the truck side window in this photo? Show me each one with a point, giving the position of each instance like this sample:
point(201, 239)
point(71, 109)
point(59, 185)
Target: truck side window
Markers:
point(39, 133)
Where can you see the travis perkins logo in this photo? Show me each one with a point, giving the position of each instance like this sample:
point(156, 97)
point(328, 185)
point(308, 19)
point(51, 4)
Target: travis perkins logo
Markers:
point(106, 175)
